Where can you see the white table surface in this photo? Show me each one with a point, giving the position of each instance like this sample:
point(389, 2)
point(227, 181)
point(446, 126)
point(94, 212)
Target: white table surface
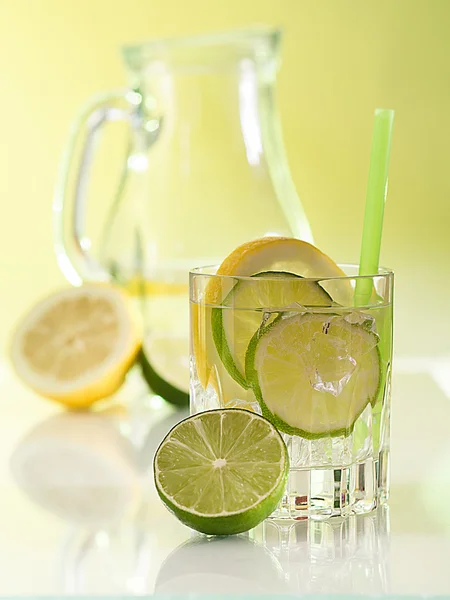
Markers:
point(79, 513)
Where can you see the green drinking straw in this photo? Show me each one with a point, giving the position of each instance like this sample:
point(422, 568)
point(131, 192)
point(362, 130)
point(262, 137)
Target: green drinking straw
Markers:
point(375, 200)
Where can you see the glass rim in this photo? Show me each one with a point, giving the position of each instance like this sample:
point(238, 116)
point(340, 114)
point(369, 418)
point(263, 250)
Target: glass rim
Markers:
point(231, 37)
point(382, 272)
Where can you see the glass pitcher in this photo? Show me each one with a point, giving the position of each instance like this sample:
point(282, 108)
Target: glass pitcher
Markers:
point(205, 170)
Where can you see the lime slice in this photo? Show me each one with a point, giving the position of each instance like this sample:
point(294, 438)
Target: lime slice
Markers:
point(253, 302)
point(160, 386)
point(313, 374)
point(222, 471)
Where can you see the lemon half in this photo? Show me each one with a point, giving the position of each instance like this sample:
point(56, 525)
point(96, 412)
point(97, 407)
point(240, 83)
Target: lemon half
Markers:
point(77, 345)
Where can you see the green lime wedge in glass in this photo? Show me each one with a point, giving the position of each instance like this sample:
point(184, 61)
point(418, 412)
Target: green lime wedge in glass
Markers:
point(313, 374)
point(250, 301)
point(222, 472)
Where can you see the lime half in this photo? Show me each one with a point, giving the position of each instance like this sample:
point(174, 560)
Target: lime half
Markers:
point(254, 301)
point(222, 471)
point(313, 374)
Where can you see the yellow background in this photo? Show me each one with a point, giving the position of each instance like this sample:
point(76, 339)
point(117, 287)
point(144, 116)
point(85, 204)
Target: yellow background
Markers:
point(341, 60)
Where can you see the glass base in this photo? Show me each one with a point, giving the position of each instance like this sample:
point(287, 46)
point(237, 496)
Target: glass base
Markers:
point(321, 493)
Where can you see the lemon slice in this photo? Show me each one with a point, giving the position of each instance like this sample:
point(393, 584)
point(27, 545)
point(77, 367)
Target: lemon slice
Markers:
point(314, 374)
point(77, 345)
point(264, 254)
point(280, 254)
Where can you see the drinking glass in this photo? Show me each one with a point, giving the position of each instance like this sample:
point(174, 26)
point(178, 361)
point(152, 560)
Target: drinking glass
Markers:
point(320, 370)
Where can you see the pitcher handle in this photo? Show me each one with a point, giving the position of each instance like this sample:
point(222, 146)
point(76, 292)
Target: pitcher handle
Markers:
point(70, 241)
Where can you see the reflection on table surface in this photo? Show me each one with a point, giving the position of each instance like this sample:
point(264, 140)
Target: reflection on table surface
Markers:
point(81, 468)
point(81, 516)
point(309, 557)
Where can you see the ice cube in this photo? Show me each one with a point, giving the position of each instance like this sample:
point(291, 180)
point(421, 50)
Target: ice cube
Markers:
point(296, 307)
point(361, 343)
point(203, 399)
point(293, 310)
point(334, 352)
point(358, 317)
point(244, 404)
point(331, 366)
point(334, 386)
